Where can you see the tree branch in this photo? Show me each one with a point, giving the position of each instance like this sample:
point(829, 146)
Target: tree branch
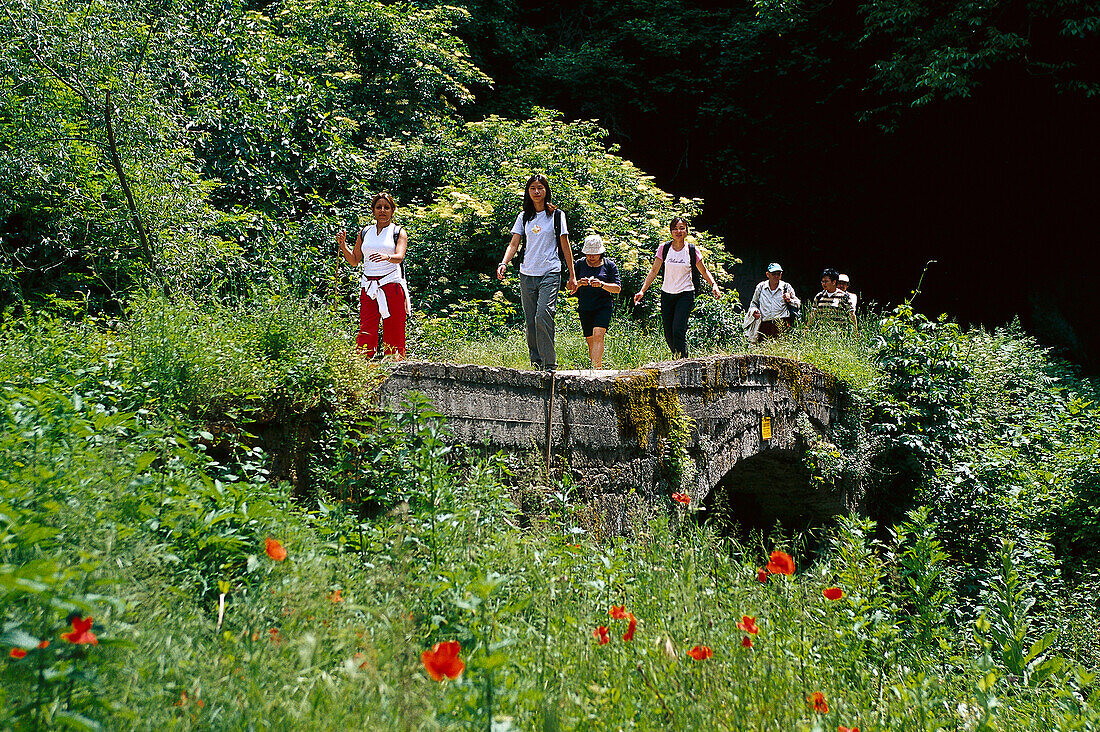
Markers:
point(71, 84)
point(116, 162)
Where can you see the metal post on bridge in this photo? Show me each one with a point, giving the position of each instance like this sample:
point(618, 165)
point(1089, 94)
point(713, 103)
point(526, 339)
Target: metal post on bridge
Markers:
point(549, 423)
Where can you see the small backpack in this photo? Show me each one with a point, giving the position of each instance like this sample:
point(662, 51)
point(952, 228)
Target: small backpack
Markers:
point(696, 278)
point(396, 235)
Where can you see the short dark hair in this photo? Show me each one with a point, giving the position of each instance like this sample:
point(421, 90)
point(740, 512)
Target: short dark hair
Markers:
point(676, 220)
point(831, 273)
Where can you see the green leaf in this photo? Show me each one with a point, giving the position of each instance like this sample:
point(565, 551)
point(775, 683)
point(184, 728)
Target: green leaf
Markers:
point(73, 720)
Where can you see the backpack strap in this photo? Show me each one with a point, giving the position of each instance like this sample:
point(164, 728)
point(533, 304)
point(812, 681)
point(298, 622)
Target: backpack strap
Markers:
point(696, 278)
point(396, 236)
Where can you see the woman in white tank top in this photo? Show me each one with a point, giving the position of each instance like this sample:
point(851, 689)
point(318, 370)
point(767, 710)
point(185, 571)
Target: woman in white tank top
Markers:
point(383, 293)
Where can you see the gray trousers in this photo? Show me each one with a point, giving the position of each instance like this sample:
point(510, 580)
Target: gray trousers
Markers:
point(539, 295)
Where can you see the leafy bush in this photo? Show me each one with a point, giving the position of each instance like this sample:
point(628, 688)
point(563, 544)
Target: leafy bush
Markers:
point(458, 239)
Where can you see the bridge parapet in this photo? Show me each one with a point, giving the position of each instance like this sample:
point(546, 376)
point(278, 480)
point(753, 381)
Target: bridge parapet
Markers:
point(630, 438)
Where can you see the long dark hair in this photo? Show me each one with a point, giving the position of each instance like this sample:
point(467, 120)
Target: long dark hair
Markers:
point(529, 205)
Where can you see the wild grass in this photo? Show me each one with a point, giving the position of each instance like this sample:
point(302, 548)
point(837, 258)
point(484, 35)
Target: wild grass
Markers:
point(270, 356)
point(635, 339)
point(332, 636)
point(112, 511)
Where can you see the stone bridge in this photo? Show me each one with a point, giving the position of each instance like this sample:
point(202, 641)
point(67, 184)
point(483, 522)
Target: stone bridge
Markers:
point(728, 431)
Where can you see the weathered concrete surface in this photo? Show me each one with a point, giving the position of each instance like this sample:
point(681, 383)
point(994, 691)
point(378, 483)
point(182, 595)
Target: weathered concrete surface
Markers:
point(635, 436)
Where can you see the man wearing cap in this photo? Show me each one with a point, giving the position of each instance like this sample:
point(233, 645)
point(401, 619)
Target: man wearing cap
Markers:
point(597, 280)
point(842, 283)
point(774, 304)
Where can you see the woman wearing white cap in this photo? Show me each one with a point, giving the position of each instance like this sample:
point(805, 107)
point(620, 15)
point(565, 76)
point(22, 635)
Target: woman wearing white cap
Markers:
point(597, 279)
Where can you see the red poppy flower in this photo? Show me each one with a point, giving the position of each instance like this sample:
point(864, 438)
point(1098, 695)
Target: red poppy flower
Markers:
point(842, 728)
point(17, 653)
point(274, 549)
point(183, 701)
point(442, 660)
point(700, 653)
point(81, 632)
point(602, 633)
point(683, 498)
point(818, 700)
point(335, 596)
point(762, 576)
point(748, 624)
point(43, 643)
point(618, 612)
point(746, 642)
point(629, 634)
point(780, 563)
point(833, 593)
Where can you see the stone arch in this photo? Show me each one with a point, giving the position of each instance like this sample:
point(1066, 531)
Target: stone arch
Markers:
point(768, 487)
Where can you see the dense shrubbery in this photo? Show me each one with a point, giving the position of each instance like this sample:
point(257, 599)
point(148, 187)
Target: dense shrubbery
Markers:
point(275, 357)
point(197, 625)
point(460, 237)
point(209, 153)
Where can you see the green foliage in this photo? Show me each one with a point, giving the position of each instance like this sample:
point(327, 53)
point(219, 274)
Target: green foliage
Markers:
point(923, 573)
point(460, 237)
point(943, 52)
point(274, 358)
point(927, 406)
point(99, 184)
point(165, 141)
point(1009, 604)
point(203, 626)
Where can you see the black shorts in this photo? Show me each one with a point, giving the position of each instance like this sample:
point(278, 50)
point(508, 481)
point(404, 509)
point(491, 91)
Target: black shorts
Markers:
point(599, 318)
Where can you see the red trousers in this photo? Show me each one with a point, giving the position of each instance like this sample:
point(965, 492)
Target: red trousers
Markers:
point(393, 327)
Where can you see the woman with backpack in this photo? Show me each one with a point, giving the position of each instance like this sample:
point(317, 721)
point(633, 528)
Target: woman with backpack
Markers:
point(677, 287)
point(542, 227)
point(383, 293)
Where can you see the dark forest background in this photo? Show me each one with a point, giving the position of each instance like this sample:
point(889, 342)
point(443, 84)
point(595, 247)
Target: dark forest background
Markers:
point(868, 136)
point(213, 146)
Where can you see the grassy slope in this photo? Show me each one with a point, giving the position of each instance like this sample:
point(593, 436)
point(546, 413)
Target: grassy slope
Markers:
point(116, 516)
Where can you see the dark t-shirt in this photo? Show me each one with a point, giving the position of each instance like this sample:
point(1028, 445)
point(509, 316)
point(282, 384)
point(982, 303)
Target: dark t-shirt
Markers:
point(594, 298)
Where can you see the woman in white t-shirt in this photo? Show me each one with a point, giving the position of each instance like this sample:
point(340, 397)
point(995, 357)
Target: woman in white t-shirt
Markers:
point(546, 232)
point(383, 293)
point(677, 288)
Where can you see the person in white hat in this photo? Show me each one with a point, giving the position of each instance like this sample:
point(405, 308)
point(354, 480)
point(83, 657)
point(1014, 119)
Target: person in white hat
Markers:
point(774, 304)
point(597, 280)
point(842, 283)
